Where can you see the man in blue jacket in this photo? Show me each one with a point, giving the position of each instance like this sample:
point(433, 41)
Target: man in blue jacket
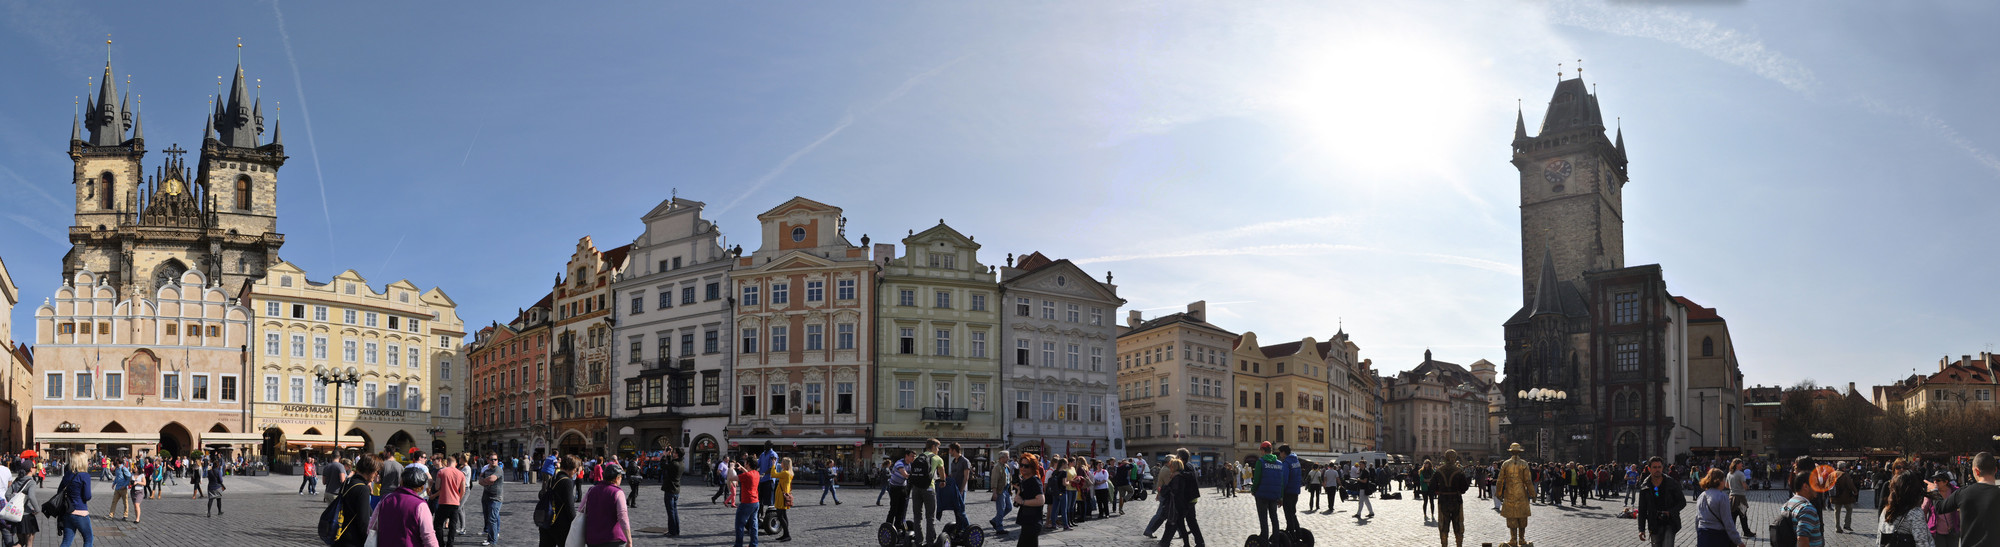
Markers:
point(1267, 486)
point(1294, 480)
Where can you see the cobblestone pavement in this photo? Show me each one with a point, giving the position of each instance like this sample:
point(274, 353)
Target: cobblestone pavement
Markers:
point(267, 511)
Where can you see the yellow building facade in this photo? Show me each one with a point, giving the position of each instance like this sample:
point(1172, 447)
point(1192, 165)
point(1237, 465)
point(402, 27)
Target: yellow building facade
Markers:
point(1281, 396)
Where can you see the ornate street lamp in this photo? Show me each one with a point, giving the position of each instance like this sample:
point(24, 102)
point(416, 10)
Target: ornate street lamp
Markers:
point(337, 378)
point(1543, 399)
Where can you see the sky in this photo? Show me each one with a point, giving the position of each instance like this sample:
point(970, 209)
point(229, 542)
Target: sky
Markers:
point(1819, 173)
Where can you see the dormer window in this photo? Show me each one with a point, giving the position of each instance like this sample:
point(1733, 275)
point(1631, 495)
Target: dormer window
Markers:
point(284, 281)
point(798, 234)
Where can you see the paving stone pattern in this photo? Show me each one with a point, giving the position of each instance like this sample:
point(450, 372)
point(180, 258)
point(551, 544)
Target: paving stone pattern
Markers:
point(267, 511)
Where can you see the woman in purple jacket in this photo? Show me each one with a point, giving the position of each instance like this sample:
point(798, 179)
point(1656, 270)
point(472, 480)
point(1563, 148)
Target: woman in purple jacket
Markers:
point(605, 521)
point(402, 519)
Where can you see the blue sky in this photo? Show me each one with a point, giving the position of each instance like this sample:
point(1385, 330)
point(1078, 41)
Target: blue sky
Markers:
point(1822, 174)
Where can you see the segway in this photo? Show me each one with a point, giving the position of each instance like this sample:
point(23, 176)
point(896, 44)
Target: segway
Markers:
point(1300, 537)
point(891, 535)
point(969, 536)
point(1277, 539)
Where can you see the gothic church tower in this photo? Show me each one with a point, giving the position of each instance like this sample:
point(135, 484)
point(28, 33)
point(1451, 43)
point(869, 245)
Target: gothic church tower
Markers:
point(138, 232)
point(1572, 178)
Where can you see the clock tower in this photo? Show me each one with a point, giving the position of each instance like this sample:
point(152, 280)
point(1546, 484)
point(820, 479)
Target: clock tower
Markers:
point(1572, 181)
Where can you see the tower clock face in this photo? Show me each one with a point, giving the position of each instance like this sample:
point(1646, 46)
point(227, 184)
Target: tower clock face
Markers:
point(1556, 171)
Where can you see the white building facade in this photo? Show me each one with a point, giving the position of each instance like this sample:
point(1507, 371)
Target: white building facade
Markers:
point(1059, 354)
point(666, 392)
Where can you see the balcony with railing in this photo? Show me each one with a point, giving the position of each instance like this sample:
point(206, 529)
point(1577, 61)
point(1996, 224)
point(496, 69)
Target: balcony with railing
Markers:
point(945, 415)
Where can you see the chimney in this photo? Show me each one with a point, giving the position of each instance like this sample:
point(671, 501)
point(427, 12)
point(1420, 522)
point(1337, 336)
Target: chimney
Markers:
point(1850, 387)
point(1132, 318)
point(1198, 310)
point(884, 252)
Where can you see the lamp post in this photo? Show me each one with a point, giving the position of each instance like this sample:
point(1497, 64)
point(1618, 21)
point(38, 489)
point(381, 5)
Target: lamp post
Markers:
point(1822, 438)
point(336, 378)
point(1543, 398)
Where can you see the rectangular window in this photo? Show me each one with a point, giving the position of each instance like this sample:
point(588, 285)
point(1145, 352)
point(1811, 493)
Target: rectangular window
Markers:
point(978, 302)
point(1049, 354)
point(941, 394)
point(228, 385)
point(319, 313)
point(298, 345)
point(319, 347)
point(1072, 314)
point(1097, 316)
point(1021, 351)
point(1097, 408)
point(270, 309)
point(906, 297)
point(906, 394)
point(1021, 306)
point(712, 291)
point(370, 353)
point(638, 304)
point(114, 385)
point(943, 339)
point(198, 387)
point(815, 398)
point(298, 311)
point(368, 394)
point(1021, 405)
point(777, 399)
point(444, 406)
point(906, 340)
point(687, 294)
point(781, 339)
point(369, 319)
point(319, 392)
point(347, 350)
point(976, 398)
point(347, 316)
point(710, 341)
point(843, 398)
point(711, 387)
point(299, 390)
point(845, 334)
point(1625, 308)
point(416, 356)
point(748, 405)
point(393, 400)
point(271, 344)
point(638, 348)
point(653, 391)
point(1049, 310)
point(632, 393)
point(1070, 358)
point(84, 387)
point(392, 322)
point(687, 344)
point(664, 300)
point(844, 289)
point(1048, 406)
point(978, 345)
point(1627, 356)
point(781, 293)
point(395, 355)
point(749, 296)
point(1096, 359)
point(943, 300)
point(815, 337)
point(1072, 407)
point(815, 291)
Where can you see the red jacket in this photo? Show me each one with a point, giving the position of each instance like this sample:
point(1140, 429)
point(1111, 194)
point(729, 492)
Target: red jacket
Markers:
point(746, 487)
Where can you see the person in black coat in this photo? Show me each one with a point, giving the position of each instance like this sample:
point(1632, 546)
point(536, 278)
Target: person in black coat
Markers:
point(1660, 503)
point(561, 495)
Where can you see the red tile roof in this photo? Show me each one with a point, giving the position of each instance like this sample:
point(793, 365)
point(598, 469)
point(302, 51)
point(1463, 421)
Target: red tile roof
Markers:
point(616, 257)
point(1034, 261)
point(1695, 311)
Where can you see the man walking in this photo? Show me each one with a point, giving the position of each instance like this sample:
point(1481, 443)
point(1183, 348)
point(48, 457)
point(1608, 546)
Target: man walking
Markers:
point(828, 483)
point(490, 497)
point(1845, 494)
point(958, 476)
point(449, 488)
point(1002, 486)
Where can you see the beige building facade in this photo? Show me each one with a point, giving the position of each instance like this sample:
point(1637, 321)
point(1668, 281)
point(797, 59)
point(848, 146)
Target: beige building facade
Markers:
point(402, 342)
point(1281, 396)
point(139, 376)
point(1175, 386)
point(19, 385)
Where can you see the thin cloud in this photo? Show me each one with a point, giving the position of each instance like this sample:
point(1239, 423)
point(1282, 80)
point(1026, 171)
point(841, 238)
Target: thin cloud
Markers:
point(845, 121)
point(38, 227)
point(22, 182)
point(1301, 249)
point(1745, 51)
point(312, 145)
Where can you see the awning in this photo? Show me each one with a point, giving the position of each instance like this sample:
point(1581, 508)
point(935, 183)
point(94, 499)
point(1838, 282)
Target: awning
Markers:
point(212, 438)
point(97, 438)
point(801, 441)
point(343, 444)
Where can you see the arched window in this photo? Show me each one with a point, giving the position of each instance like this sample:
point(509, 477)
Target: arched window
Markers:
point(104, 200)
point(242, 193)
point(1707, 346)
point(1621, 404)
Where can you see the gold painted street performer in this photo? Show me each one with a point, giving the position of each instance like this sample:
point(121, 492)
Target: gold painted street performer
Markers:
point(1516, 487)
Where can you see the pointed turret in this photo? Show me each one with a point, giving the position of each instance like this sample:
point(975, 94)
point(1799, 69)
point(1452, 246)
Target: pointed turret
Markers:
point(236, 122)
point(1620, 143)
point(105, 120)
point(138, 123)
point(1520, 124)
point(1572, 106)
point(278, 132)
point(75, 128)
point(1547, 291)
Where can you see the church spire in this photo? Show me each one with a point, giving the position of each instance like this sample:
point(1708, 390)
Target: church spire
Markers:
point(1547, 300)
point(75, 123)
point(1621, 136)
point(106, 119)
point(277, 126)
point(1520, 122)
point(138, 123)
point(237, 122)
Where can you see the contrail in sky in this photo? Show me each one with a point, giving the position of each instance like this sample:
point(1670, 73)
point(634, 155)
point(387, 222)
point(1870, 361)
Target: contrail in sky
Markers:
point(392, 253)
point(311, 145)
point(845, 121)
point(468, 146)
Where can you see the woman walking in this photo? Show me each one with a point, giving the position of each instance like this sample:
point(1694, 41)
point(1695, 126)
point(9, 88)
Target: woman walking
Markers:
point(138, 491)
point(1100, 482)
point(31, 522)
point(1029, 497)
point(605, 519)
point(215, 487)
point(194, 478)
point(75, 486)
point(782, 502)
point(1423, 479)
point(1714, 516)
point(309, 480)
point(1903, 522)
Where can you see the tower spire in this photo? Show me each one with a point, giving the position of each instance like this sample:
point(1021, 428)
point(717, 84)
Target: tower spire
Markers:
point(138, 123)
point(1621, 135)
point(277, 125)
point(1520, 122)
point(105, 119)
point(75, 121)
point(1546, 299)
point(237, 124)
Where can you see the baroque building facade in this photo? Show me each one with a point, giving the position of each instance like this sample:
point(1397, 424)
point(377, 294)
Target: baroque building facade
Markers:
point(666, 392)
point(580, 359)
point(18, 388)
point(508, 391)
point(1058, 346)
point(1281, 396)
point(1179, 349)
point(936, 367)
point(1350, 387)
point(809, 291)
point(402, 342)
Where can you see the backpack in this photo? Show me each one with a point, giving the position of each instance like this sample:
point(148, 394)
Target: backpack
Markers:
point(920, 472)
point(1784, 531)
point(545, 511)
point(330, 524)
